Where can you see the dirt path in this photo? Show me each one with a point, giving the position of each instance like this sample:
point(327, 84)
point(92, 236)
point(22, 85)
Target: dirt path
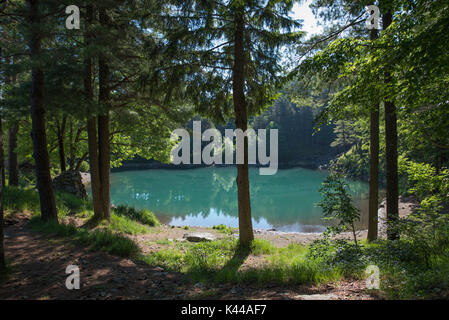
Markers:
point(39, 264)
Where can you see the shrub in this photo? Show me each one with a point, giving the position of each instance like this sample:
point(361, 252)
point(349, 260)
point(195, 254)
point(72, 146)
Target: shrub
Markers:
point(124, 225)
point(223, 229)
point(143, 216)
point(337, 205)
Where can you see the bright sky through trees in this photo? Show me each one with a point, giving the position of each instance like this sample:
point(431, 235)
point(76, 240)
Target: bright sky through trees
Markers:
point(303, 12)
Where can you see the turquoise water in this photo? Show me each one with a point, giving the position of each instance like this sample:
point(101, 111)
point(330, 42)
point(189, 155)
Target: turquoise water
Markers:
point(208, 197)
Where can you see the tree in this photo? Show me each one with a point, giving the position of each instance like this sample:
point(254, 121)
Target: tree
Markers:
point(2, 247)
point(374, 166)
point(228, 55)
point(13, 164)
point(38, 133)
point(92, 119)
point(391, 138)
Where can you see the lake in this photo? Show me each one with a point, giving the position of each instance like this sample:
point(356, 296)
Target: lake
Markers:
point(208, 196)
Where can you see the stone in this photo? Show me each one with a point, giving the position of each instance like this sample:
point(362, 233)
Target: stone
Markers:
point(199, 237)
point(71, 182)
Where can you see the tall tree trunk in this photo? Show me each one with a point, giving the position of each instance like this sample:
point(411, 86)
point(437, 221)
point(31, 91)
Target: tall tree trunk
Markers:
point(13, 164)
point(374, 167)
point(2, 236)
point(61, 133)
point(38, 131)
point(2, 245)
point(2, 152)
point(92, 123)
point(103, 127)
point(241, 121)
point(71, 147)
point(391, 137)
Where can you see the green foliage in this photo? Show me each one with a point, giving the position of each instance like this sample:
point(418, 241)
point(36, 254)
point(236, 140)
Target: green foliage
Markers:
point(428, 226)
point(20, 199)
point(338, 206)
point(224, 229)
point(170, 259)
point(221, 260)
point(143, 216)
point(124, 225)
point(72, 202)
point(101, 240)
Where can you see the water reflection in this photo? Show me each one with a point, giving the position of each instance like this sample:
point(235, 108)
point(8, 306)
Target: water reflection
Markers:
point(208, 196)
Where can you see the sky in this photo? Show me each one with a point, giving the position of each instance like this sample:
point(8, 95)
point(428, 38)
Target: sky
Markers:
point(303, 12)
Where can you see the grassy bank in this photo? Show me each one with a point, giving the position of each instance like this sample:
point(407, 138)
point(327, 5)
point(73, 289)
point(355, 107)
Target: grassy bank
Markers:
point(408, 269)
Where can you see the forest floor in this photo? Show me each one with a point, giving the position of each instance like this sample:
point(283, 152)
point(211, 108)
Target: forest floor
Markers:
point(39, 262)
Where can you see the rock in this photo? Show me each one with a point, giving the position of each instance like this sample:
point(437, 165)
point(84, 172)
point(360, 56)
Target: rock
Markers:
point(71, 182)
point(199, 237)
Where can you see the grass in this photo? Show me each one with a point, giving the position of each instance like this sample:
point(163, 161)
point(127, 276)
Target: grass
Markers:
point(27, 199)
point(221, 228)
point(143, 216)
point(109, 237)
point(124, 225)
point(220, 261)
point(20, 199)
point(98, 240)
point(404, 275)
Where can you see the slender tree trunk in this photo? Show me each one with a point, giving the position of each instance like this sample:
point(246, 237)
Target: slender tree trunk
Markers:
point(38, 131)
point(241, 121)
point(13, 164)
point(92, 123)
point(61, 133)
point(391, 137)
point(2, 153)
point(103, 127)
point(2, 244)
point(2, 236)
point(71, 148)
point(374, 167)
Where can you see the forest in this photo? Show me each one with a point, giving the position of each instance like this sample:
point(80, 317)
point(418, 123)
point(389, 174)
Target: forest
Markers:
point(92, 90)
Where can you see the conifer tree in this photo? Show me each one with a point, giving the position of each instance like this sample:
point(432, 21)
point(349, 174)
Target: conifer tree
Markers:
point(230, 53)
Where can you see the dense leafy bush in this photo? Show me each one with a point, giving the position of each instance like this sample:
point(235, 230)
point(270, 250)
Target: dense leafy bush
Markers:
point(143, 216)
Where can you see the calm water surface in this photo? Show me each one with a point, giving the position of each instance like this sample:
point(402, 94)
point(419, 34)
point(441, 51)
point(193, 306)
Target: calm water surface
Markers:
point(208, 197)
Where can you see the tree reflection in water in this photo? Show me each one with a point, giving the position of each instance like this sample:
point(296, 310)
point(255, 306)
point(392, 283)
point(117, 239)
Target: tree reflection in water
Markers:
point(208, 196)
